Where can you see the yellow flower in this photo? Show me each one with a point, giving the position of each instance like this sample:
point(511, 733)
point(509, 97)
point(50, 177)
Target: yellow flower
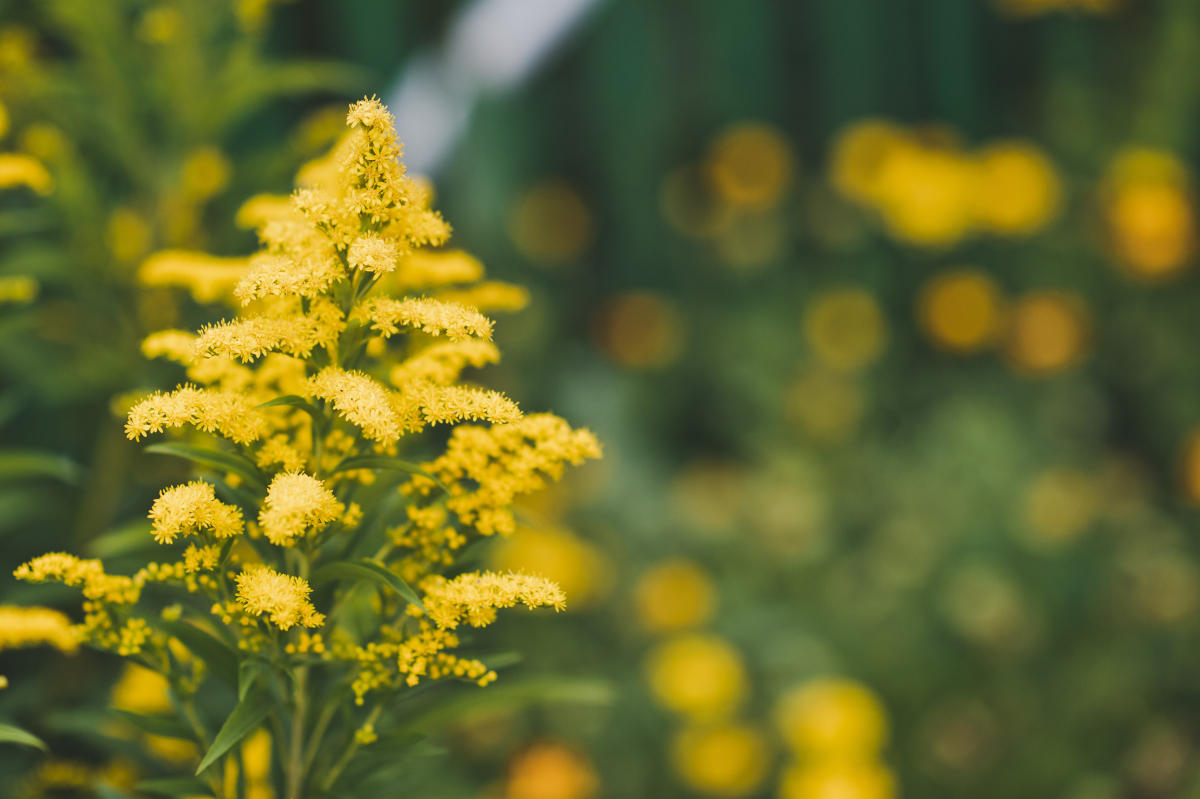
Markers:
point(577, 567)
point(723, 760)
point(1017, 190)
point(282, 597)
point(845, 328)
point(297, 505)
point(697, 675)
point(361, 401)
point(961, 310)
point(208, 278)
point(292, 334)
point(832, 718)
point(35, 626)
point(456, 322)
point(837, 780)
point(1150, 212)
point(925, 195)
point(551, 223)
point(18, 289)
point(1047, 332)
point(372, 253)
point(230, 414)
point(1060, 505)
point(640, 330)
point(188, 509)
point(550, 770)
point(442, 363)
point(750, 164)
point(474, 597)
point(860, 153)
point(674, 595)
point(140, 690)
point(22, 170)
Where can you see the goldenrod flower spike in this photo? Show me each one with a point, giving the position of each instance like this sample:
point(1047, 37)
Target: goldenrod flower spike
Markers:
point(297, 505)
point(282, 598)
point(313, 390)
point(190, 509)
point(23, 627)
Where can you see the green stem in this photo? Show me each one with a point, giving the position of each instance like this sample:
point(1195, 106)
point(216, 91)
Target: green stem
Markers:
point(350, 752)
point(318, 732)
point(294, 768)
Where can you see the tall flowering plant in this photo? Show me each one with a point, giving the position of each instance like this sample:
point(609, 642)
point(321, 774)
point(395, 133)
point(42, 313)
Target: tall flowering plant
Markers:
point(312, 578)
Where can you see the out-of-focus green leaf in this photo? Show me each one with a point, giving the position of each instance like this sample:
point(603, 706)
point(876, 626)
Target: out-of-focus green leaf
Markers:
point(166, 726)
point(215, 459)
point(381, 462)
point(34, 465)
point(217, 655)
point(514, 695)
point(366, 570)
point(122, 540)
point(174, 786)
point(15, 735)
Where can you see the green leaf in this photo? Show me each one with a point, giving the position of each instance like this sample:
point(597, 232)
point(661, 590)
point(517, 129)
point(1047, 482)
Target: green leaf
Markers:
point(248, 673)
point(32, 465)
point(123, 540)
point(248, 714)
point(384, 463)
point(222, 661)
point(166, 726)
point(366, 569)
point(174, 786)
point(15, 735)
point(294, 401)
point(104, 791)
point(217, 459)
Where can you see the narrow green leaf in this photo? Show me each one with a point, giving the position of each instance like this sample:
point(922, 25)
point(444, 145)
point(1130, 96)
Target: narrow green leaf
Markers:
point(366, 569)
point(166, 726)
point(215, 459)
point(248, 714)
point(32, 465)
point(105, 791)
point(294, 401)
point(221, 659)
point(384, 463)
point(514, 695)
point(174, 786)
point(124, 540)
point(15, 735)
point(248, 674)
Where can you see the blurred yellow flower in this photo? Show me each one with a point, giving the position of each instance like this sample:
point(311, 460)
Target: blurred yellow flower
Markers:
point(579, 569)
point(674, 595)
point(723, 760)
point(18, 289)
point(640, 330)
point(205, 172)
point(825, 404)
point(846, 328)
point(140, 690)
point(1191, 467)
point(961, 310)
point(832, 718)
point(697, 675)
point(1047, 332)
point(1018, 189)
point(23, 170)
point(1150, 212)
point(551, 224)
point(750, 164)
point(925, 195)
point(860, 153)
point(1060, 505)
point(837, 780)
point(129, 235)
point(551, 770)
point(1029, 8)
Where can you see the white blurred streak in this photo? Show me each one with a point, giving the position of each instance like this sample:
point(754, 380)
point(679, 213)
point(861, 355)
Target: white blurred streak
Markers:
point(492, 46)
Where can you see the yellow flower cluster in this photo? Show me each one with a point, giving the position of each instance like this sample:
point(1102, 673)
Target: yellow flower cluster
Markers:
point(1029, 8)
point(487, 468)
point(34, 626)
point(300, 408)
point(283, 598)
point(297, 505)
point(1150, 212)
point(835, 728)
point(930, 192)
point(189, 509)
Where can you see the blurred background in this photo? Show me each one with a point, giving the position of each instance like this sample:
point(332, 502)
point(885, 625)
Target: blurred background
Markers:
point(886, 313)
